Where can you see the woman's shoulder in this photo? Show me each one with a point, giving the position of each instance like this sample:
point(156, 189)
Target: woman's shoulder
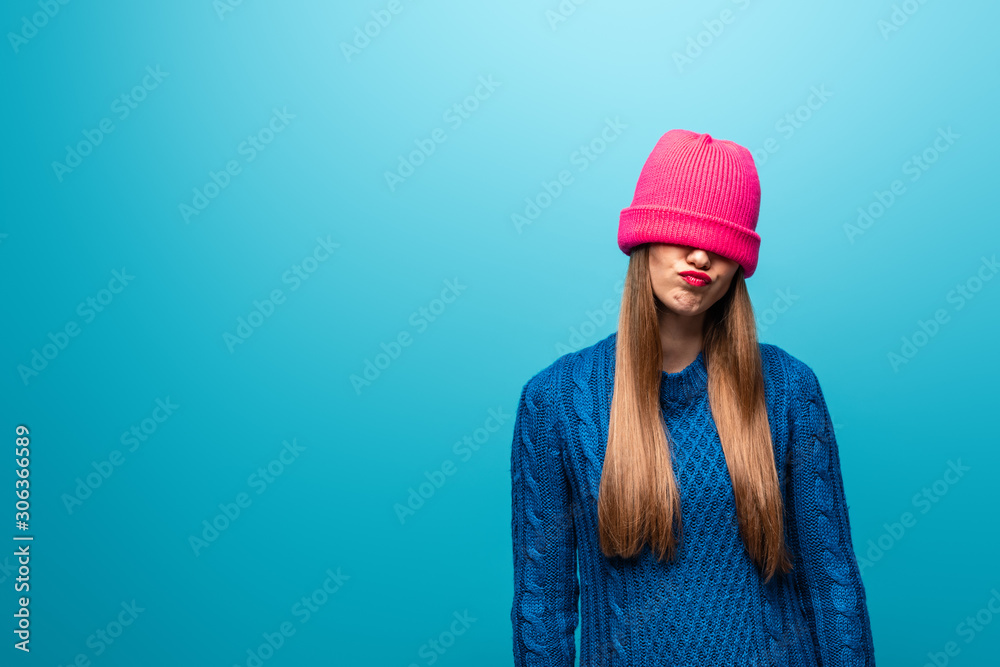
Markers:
point(593, 364)
point(783, 369)
point(581, 368)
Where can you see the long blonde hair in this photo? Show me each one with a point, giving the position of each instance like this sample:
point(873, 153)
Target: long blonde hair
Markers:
point(638, 501)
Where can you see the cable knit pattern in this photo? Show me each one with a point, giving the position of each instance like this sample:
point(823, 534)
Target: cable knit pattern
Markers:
point(546, 587)
point(829, 576)
point(708, 606)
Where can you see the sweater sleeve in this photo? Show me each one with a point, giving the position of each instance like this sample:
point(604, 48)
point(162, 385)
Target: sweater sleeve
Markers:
point(826, 570)
point(546, 587)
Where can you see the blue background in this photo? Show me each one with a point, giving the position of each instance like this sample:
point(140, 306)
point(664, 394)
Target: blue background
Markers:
point(840, 302)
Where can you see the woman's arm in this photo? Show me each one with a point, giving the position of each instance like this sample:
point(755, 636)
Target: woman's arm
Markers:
point(546, 588)
point(826, 571)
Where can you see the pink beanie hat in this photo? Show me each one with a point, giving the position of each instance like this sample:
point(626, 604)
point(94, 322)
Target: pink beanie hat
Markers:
point(698, 191)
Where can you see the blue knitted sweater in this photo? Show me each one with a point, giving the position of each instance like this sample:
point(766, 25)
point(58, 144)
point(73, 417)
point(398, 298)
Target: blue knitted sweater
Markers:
point(709, 607)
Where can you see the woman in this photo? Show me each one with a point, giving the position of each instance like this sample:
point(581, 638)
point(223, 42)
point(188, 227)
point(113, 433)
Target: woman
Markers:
point(690, 470)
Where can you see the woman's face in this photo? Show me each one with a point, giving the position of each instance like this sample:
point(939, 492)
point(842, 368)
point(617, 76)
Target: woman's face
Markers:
point(708, 277)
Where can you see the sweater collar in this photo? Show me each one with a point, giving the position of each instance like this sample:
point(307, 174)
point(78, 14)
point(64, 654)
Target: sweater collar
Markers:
point(686, 383)
point(682, 385)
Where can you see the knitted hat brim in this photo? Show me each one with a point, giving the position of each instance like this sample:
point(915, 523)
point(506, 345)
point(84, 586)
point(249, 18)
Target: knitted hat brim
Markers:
point(662, 224)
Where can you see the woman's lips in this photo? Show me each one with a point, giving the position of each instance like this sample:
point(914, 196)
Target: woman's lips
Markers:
point(696, 278)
